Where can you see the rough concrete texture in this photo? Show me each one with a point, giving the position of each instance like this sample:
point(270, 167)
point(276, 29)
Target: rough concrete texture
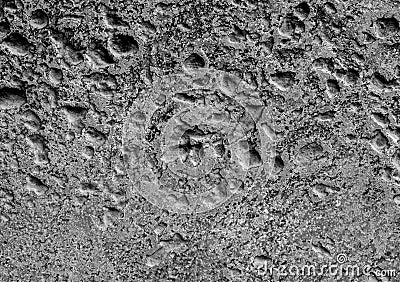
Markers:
point(214, 140)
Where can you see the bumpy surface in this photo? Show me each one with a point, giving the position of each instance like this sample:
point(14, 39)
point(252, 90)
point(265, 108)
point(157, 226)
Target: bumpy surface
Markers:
point(191, 142)
point(232, 140)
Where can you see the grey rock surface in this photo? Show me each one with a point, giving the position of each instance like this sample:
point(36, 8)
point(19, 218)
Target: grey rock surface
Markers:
point(219, 140)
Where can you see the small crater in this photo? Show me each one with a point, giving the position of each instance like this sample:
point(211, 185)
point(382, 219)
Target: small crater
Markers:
point(39, 19)
point(34, 184)
point(99, 57)
point(11, 98)
point(17, 44)
point(112, 20)
point(4, 28)
point(56, 75)
point(302, 10)
point(386, 27)
point(31, 120)
point(278, 164)
point(88, 152)
point(95, 137)
point(379, 82)
point(40, 150)
point(309, 152)
point(283, 80)
point(380, 119)
point(194, 61)
point(330, 8)
point(379, 142)
point(122, 45)
point(149, 27)
point(332, 88)
point(74, 114)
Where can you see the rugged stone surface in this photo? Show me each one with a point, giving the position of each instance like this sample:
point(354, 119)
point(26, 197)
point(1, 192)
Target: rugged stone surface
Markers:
point(229, 140)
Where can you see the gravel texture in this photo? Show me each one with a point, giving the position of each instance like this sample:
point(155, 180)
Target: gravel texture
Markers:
point(214, 140)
